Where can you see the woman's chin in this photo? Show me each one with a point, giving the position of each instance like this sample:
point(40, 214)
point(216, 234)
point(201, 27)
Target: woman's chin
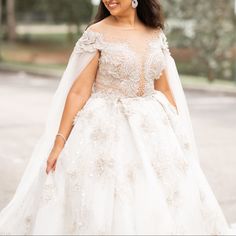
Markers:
point(115, 13)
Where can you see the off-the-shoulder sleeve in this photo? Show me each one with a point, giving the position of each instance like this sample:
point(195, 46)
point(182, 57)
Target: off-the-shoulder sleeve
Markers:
point(89, 42)
point(164, 43)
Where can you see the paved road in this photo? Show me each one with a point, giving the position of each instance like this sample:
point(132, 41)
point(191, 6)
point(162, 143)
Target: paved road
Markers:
point(24, 103)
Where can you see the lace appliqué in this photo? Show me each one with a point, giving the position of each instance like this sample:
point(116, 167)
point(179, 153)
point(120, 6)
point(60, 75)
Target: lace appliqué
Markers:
point(49, 192)
point(211, 215)
point(131, 79)
point(89, 42)
point(155, 63)
point(164, 43)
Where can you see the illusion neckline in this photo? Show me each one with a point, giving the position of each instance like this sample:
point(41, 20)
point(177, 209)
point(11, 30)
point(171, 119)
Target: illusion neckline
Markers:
point(156, 35)
point(142, 57)
point(128, 45)
point(124, 28)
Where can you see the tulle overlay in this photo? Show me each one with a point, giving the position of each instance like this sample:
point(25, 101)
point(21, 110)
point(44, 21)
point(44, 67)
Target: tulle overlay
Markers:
point(129, 166)
point(124, 170)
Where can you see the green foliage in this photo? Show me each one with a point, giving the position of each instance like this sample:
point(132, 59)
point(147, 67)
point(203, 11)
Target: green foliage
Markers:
point(71, 11)
point(213, 32)
point(58, 11)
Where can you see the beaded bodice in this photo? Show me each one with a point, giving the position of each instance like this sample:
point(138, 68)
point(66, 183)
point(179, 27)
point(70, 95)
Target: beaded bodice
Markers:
point(127, 66)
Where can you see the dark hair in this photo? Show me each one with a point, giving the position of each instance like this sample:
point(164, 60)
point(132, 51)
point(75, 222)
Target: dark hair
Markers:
point(148, 11)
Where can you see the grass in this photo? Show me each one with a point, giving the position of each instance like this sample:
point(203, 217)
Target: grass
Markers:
point(33, 65)
point(47, 55)
point(189, 79)
point(55, 70)
point(198, 82)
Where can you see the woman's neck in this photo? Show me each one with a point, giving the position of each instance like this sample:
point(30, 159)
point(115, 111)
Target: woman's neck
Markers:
point(129, 19)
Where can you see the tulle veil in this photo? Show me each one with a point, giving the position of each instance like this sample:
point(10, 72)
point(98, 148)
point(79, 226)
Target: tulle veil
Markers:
point(76, 64)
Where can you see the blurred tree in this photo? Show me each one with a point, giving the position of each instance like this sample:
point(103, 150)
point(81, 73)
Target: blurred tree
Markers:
point(61, 11)
point(28, 10)
point(0, 14)
point(0, 30)
point(11, 21)
point(70, 12)
point(73, 12)
point(213, 27)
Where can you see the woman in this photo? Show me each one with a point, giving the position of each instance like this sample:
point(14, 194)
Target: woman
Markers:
point(118, 154)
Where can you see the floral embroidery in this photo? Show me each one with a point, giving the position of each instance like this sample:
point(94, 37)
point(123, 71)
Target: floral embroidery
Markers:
point(160, 167)
point(172, 198)
point(147, 127)
point(49, 192)
point(81, 217)
point(132, 169)
point(99, 134)
point(124, 79)
point(28, 224)
point(101, 165)
point(164, 43)
point(187, 145)
point(122, 193)
point(90, 41)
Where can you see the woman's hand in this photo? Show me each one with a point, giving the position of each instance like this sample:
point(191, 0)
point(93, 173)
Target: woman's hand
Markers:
point(53, 157)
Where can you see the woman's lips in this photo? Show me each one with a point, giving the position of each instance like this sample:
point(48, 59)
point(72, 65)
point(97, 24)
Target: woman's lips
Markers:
point(112, 5)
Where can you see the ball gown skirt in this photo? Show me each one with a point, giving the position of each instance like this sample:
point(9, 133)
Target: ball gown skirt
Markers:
point(125, 170)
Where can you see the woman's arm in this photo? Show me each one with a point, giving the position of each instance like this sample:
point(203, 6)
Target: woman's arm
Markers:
point(162, 85)
point(76, 99)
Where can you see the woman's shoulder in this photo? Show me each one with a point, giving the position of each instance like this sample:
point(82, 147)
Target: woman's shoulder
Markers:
point(91, 39)
point(99, 26)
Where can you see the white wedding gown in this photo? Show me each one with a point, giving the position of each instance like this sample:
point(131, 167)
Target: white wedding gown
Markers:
point(128, 166)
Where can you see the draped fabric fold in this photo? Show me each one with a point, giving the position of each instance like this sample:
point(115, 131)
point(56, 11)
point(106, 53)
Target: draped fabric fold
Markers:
point(181, 103)
point(178, 94)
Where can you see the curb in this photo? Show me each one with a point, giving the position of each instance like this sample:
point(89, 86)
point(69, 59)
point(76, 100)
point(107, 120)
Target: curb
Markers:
point(209, 89)
point(48, 73)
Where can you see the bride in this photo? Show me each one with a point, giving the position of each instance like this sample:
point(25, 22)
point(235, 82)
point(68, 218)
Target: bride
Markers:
point(117, 156)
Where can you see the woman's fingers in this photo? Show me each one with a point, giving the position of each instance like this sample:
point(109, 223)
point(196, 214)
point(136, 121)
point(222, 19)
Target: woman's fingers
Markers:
point(48, 169)
point(52, 160)
point(50, 165)
point(54, 166)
